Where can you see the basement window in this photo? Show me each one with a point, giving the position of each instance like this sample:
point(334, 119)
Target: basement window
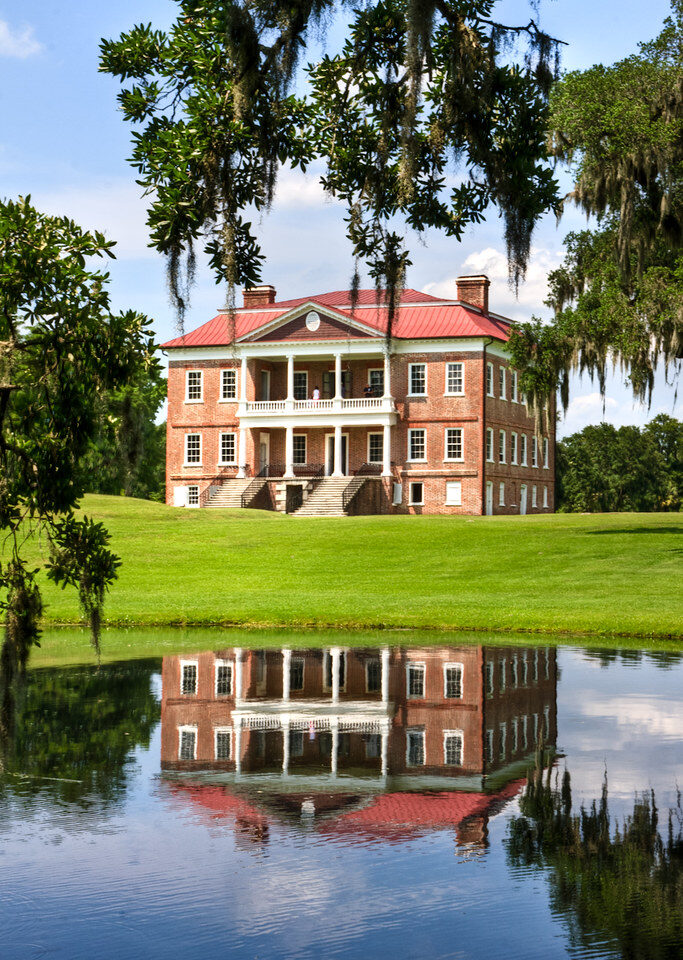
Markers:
point(416, 494)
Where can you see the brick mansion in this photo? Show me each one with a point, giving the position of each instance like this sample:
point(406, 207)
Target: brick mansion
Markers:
point(308, 406)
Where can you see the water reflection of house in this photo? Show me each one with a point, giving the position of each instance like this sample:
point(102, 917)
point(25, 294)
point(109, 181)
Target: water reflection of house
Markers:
point(350, 735)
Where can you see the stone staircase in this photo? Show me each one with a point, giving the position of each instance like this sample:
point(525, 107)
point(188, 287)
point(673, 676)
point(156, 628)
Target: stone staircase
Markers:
point(229, 493)
point(325, 500)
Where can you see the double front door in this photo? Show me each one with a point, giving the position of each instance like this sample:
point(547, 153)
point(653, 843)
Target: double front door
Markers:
point(329, 454)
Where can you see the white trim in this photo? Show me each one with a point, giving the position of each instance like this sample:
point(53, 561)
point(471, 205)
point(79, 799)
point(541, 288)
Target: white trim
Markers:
point(415, 503)
point(221, 461)
point(187, 728)
point(454, 393)
point(461, 736)
point(489, 434)
point(501, 493)
point(546, 453)
point(221, 398)
point(200, 398)
point(453, 503)
point(410, 459)
point(191, 486)
point(490, 370)
point(193, 463)
point(514, 448)
point(514, 386)
point(461, 667)
point(523, 450)
point(327, 436)
point(446, 458)
point(300, 311)
point(409, 393)
point(502, 381)
point(502, 436)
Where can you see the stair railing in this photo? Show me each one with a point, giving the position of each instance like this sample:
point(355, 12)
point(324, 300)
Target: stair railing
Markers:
point(360, 476)
point(254, 487)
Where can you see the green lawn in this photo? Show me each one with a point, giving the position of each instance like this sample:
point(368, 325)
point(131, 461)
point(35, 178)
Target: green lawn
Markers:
point(613, 574)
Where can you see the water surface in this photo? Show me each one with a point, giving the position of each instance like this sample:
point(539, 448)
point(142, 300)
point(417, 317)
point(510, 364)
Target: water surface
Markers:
point(397, 802)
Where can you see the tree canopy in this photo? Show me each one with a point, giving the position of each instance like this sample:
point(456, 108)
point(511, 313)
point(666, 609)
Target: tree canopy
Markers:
point(431, 111)
point(61, 346)
point(617, 297)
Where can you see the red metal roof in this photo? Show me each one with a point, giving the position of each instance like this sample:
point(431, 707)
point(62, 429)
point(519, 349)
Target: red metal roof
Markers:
point(420, 316)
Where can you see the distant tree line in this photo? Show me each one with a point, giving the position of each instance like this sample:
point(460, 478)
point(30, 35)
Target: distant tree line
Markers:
point(604, 468)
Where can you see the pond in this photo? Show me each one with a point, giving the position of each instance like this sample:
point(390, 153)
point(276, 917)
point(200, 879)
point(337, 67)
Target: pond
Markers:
point(416, 801)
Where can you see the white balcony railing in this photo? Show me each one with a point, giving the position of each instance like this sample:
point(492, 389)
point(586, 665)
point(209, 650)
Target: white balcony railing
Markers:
point(308, 407)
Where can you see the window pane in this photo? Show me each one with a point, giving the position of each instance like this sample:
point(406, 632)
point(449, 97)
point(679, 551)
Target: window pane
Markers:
point(416, 493)
point(189, 680)
point(296, 674)
point(454, 443)
point(193, 448)
point(299, 448)
point(300, 384)
point(222, 744)
point(453, 750)
point(416, 444)
point(376, 381)
point(373, 676)
point(501, 446)
point(228, 384)
point(417, 378)
point(453, 685)
point(501, 383)
point(193, 496)
point(375, 448)
point(188, 741)
point(416, 748)
point(416, 680)
point(224, 680)
point(228, 448)
point(194, 385)
point(454, 378)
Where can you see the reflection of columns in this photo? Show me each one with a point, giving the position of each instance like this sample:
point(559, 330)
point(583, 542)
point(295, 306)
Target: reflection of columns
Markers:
point(385, 674)
point(238, 673)
point(387, 375)
point(337, 376)
point(334, 653)
point(334, 727)
point(289, 452)
point(337, 472)
point(285, 744)
point(385, 750)
point(242, 461)
point(243, 381)
point(286, 667)
point(386, 451)
point(238, 745)
point(290, 377)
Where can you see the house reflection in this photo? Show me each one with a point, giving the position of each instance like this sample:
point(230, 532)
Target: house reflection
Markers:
point(362, 743)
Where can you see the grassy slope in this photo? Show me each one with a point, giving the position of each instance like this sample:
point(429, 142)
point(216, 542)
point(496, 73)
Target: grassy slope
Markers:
point(609, 574)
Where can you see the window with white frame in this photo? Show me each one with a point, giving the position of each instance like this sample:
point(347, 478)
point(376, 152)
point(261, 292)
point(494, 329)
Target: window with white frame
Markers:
point(188, 677)
point(417, 494)
point(296, 673)
point(376, 381)
point(503, 674)
point(415, 680)
point(299, 448)
point(513, 448)
point(193, 448)
point(455, 382)
point(454, 493)
point(187, 743)
point(228, 449)
point(417, 379)
point(489, 379)
point(514, 739)
point(489, 746)
point(222, 743)
point(228, 384)
point(545, 454)
point(522, 449)
point(452, 681)
point(534, 452)
point(534, 495)
point(501, 494)
point(193, 496)
point(525, 732)
point(503, 728)
point(502, 386)
point(375, 448)
point(489, 444)
point(415, 748)
point(514, 670)
point(501, 446)
point(373, 675)
point(417, 444)
point(535, 728)
point(452, 748)
point(300, 384)
point(223, 678)
point(545, 497)
point(489, 678)
point(453, 446)
point(193, 386)
point(513, 386)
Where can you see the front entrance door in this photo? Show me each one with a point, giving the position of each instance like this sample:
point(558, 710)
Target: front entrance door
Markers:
point(489, 499)
point(522, 499)
point(329, 454)
point(264, 451)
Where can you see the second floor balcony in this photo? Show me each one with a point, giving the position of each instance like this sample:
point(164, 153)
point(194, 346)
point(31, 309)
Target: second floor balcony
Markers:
point(322, 407)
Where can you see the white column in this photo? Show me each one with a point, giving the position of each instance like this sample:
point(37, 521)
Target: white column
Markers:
point(337, 376)
point(243, 381)
point(334, 653)
point(238, 745)
point(242, 458)
point(386, 451)
point(385, 750)
point(387, 375)
point(289, 452)
point(238, 673)
point(385, 674)
point(337, 472)
point(286, 667)
point(334, 727)
point(285, 744)
point(290, 377)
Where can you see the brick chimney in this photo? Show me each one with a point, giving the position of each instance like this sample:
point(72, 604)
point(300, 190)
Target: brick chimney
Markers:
point(258, 296)
point(474, 290)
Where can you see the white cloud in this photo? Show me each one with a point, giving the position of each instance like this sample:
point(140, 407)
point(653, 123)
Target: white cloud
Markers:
point(638, 716)
point(295, 189)
point(18, 43)
point(113, 207)
point(493, 262)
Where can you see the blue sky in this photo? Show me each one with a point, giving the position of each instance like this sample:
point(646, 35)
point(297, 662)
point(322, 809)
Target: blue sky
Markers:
point(63, 141)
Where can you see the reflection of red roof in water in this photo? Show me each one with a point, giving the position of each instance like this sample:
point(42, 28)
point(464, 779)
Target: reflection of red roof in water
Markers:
point(217, 801)
point(397, 816)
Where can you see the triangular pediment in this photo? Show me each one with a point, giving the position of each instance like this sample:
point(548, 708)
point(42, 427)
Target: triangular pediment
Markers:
point(312, 322)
